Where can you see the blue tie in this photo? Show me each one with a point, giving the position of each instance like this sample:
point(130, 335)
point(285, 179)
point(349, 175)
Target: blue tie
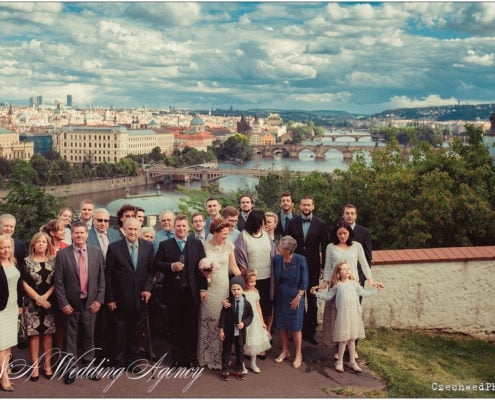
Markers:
point(305, 226)
point(134, 256)
point(181, 244)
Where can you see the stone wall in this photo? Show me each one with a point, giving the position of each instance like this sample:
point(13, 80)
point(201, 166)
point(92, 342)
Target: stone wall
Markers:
point(455, 296)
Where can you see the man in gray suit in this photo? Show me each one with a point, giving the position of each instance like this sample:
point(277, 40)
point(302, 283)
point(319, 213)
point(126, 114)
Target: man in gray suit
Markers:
point(80, 290)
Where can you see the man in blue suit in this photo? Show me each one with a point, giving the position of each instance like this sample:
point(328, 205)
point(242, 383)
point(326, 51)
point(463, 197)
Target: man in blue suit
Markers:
point(101, 236)
point(128, 287)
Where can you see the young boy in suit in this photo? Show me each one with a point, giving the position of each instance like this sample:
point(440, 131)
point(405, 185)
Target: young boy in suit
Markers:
point(232, 327)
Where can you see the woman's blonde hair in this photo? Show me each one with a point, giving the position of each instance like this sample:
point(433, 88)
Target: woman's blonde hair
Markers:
point(36, 237)
point(7, 238)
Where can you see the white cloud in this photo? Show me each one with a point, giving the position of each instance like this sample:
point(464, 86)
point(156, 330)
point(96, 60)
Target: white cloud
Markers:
point(428, 101)
point(473, 58)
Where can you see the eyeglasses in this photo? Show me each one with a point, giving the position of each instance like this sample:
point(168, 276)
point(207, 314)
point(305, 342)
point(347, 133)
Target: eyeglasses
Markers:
point(102, 220)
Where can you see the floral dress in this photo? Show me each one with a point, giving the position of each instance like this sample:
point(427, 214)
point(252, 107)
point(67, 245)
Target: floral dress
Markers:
point(40, 276)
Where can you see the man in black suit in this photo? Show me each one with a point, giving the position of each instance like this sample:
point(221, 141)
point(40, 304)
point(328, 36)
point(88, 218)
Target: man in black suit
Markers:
point(285, 214)
point(80, 291)
point(311, 234)
point(246, 205)
point(128, 281)
point(361, 235)
point(178, 258)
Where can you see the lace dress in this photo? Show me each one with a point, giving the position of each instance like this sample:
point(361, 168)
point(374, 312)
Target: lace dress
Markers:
point(257, 338)
point(40, 276)
point(209, 344)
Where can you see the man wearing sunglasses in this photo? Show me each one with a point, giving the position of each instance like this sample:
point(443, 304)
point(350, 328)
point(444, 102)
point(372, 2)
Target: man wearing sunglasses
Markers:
point(101, 236)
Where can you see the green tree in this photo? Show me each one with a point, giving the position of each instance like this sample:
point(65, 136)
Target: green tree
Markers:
point(236, 147)
point(31, 206)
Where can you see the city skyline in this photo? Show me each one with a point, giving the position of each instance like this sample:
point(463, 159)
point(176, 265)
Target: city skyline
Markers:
point(360, 58)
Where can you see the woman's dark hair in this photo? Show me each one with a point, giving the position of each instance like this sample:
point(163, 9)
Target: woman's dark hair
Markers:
point(255, 221)
point(333, 234)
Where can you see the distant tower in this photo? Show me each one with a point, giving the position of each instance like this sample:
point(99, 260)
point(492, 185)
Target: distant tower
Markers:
point(69, 100)
point(458, 102)
point(39, 101)
point(31, 101)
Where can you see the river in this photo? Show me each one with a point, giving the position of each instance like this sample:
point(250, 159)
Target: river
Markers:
point(305, 162)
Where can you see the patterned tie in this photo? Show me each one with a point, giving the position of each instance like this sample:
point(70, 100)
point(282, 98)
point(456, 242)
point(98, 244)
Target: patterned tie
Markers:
point(134, 255)
point(104, 243)
point(83, 274)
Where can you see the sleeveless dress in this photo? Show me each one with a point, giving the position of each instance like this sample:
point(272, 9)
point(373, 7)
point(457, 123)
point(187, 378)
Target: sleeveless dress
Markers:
point(9, 315)
point(257, 338)
point(209, 343)
point(40, 276)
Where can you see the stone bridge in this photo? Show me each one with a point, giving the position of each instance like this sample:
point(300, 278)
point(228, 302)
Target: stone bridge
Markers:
point(319, 150)
point(161, 173)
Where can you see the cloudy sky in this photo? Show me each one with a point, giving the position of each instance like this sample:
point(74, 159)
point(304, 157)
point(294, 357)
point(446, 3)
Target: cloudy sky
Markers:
point(360, 58)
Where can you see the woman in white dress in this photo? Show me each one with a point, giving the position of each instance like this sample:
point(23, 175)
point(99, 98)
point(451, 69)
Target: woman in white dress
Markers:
point(10, 289)
point(221, 250)
point(342, 247)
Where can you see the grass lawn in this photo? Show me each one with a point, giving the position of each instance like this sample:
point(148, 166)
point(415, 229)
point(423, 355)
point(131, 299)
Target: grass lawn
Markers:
point(416, 363)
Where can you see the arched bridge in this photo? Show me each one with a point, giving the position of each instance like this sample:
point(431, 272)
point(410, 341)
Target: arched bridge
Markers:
point(293, 150)
point(162, 173)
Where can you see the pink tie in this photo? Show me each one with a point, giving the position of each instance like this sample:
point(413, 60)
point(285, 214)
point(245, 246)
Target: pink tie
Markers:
point(83, 274)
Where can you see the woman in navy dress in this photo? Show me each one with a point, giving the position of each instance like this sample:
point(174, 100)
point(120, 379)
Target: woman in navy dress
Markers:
point(290, 282)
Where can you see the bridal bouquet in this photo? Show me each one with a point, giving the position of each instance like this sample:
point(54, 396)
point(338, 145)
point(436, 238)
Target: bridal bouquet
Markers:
point(208, 265)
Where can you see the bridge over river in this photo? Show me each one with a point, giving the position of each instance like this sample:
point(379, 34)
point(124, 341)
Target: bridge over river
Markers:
point(161, 173)
point(319, 150)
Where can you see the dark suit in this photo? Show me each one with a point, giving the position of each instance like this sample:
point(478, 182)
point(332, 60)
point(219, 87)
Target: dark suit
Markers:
point(124, 287)
point(363, 236)
point(68, 292)
point(227, 322)
point(181, 295)
point(279, 229)
point(103, 318)
point(19, 251)
point(315, 244)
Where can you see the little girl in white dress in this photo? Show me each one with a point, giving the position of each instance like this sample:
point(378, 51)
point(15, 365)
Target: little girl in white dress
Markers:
point(349, 321)
point(257, 336)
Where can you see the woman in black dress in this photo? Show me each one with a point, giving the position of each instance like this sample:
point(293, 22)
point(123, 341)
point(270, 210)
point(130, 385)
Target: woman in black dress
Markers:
point(39, 286)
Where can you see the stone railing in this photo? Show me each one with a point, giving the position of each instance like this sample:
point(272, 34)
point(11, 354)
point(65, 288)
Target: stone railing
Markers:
point(450, 289)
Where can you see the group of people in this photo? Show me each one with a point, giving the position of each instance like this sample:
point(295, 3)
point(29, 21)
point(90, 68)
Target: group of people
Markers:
point(233, 278)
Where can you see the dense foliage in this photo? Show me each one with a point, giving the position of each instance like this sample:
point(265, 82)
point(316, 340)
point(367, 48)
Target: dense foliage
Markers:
point(188, 156)
point(411, 135)
point(25, 201)
point(301, 132)
point(235, 148)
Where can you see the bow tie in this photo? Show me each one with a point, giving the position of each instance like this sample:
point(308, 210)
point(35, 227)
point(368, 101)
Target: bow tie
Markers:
point(306, 220)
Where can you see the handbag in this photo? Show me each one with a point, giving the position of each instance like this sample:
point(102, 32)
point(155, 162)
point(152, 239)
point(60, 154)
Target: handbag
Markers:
point(22, 335)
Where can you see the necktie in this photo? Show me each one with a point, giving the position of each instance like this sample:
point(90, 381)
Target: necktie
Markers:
point(104, 243)
point(306, 220)
point(170, 235)
point(305, 226)
point(182, 243)
point(286, 223)
point(83, 274)
point(237, 316)
point(134, 256)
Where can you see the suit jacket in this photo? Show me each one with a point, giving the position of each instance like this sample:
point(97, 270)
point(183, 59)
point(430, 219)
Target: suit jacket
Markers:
point(67, 284)
point(124, 284)
point(363, 236)
point(4, 290)
point(316, 241)
point(227, 319)
point(19, 252)
point(279, 229)
point(168, 253)
point(112, 235)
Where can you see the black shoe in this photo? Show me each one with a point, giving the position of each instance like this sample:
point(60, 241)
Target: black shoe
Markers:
point(34, 378)
point(69, 380)
point(311, 340)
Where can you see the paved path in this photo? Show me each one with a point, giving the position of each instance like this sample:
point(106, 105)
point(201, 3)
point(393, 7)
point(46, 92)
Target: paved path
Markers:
point(315, 379)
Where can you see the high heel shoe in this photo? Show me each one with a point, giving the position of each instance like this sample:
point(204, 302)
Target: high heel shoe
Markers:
point(7, 388)
point(46, 374)
point(297, 362)
point(283, 356)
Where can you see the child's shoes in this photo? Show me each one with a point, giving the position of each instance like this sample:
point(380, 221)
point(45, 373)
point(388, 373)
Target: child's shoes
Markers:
point(339, 366)
point(354, 365)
